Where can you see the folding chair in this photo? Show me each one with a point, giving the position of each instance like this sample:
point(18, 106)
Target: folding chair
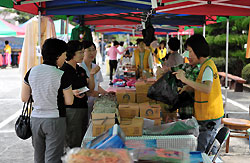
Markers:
point(221, 137)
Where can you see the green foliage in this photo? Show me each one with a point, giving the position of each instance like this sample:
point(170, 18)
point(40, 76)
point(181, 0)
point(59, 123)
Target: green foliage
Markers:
point(246, 73)
point(239, 53)
point(220, 63)
point(198, 30)
point(23, 17)
point(235, 65)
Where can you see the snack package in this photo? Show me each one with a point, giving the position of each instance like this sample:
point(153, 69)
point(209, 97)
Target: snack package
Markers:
point(156, 155)
point(78, 155)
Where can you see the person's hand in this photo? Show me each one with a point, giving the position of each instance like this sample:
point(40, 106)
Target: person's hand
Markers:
point(94, 70)
point(93, 93)
point(180, 74)
point(77, 93)
point(165, 68)
point(183, 89)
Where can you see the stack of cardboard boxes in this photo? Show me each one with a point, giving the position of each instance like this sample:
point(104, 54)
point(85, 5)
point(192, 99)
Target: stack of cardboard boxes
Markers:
point(103, 122)
point(134, 105)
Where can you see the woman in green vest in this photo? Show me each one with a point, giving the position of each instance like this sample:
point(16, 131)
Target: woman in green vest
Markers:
point(208, 105)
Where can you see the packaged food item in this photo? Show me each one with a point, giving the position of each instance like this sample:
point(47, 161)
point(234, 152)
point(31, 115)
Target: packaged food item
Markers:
point(78, 155)
point(160, 155)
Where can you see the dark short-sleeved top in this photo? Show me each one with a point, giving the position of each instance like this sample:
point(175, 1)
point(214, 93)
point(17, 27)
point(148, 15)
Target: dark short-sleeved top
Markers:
point(47, 83)
point(79, 80)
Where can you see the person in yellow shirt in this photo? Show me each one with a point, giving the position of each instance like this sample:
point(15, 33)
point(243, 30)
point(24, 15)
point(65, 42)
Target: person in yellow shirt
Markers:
point(7, 53)
point(160, 53)
point(142, 58)
point(208, 105)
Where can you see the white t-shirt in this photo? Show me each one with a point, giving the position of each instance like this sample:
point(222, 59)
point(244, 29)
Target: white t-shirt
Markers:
point(98, 79)
point(98, 76)
point(126, 60)
point(207, 74)
point(121, 49)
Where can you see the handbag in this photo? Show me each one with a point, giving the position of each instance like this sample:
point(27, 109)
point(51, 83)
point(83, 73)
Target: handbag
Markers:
point(22, 125)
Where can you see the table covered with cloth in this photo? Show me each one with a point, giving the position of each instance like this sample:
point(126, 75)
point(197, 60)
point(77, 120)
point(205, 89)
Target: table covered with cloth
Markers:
point(186, 142)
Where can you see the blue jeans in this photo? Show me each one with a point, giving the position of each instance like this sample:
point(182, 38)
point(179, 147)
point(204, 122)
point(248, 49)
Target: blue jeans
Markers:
point(207, 135)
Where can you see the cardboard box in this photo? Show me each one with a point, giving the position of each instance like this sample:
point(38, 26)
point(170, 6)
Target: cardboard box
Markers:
point(125, 96)
point(132, 127)
point(151, 81)
point(142, 97)
point(157, 121)
point(129, 110)
point(150, 110)
point(99, 129)
point(105, 118)
point(141, 87)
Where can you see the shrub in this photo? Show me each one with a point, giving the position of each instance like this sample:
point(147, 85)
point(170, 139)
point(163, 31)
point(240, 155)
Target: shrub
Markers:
point(246, 73)
point(235, 65)
point(220, 63)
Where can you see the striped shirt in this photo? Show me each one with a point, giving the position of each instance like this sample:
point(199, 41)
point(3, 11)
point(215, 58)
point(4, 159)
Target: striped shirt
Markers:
point(47, 83)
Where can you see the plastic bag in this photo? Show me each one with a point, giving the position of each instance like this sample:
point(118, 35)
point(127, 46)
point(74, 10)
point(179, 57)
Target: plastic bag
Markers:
point(189, 126)
point(77, 155)
point(165, 89)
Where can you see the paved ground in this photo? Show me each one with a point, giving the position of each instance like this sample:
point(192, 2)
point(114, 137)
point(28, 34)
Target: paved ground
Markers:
point(15, 150)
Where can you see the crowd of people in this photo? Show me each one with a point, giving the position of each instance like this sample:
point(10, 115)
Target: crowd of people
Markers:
point(61, 111)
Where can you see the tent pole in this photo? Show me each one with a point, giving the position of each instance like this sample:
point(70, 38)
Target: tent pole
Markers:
point(128, 40)
point(62, 31)
point(39, 33)
point(227, 44)
point(180, 44)
point(204, 30)
point(102, 46)
point(167, 42)
point(67, 27)
point(178, 36)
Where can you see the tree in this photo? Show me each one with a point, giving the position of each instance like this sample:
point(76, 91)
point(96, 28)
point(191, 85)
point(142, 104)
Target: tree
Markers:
point(21, 17)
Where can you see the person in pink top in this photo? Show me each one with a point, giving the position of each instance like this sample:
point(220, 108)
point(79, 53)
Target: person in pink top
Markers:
point(112, 53)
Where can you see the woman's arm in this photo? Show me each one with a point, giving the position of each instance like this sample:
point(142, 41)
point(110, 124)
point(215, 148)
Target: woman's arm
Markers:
point(204, 87)
point(26, 92)
point(91, 81)
point(101, 90)
point(68, 96)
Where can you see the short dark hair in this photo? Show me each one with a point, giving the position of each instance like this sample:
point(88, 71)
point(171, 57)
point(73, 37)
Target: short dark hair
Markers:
point(139, 40)
point(163, 42)
point(73, 47)
point(6, 42)
point(121, 43)
point(87, 44)
point(116, 43)
point(174, 43)
point(199, 45)
point(52, 49)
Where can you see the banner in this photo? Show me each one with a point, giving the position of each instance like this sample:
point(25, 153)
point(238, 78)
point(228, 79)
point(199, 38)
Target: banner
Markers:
point(248, 44)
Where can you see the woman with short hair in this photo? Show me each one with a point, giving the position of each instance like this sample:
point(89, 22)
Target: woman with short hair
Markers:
point(88, 65)
point(77, 113)
point(51, 90)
